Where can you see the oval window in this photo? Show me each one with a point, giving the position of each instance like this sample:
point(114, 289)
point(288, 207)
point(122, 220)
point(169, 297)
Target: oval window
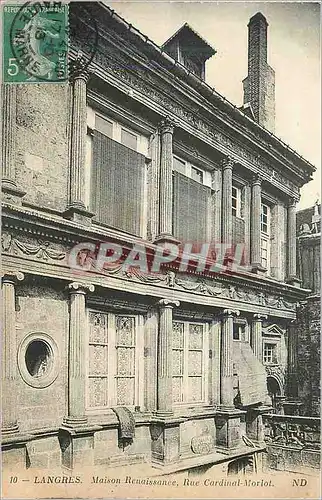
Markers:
point(38, 357)
point(38, 360)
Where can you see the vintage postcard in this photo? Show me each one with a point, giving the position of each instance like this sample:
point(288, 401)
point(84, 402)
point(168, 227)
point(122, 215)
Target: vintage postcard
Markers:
point(160, 249)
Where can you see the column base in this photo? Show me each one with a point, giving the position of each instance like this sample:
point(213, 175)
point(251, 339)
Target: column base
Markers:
point(77, 446)
point(78, 213)
point(294, 281)
point(10, 192)
point(166, 238)
point(254, 423)
point(165, 435)
point(228, 429)
point(257, 268)
point(9, 431)
point(74, 422)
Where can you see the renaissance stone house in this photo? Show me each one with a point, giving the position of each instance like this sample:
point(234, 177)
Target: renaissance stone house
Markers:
point(123, 366)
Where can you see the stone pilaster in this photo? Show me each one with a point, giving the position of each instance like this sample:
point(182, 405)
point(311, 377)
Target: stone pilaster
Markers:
point(76, 354)
point(164, 357)
point(255, 228)
point(226, 371)
point(165, 185)
point(77, 209)
point(291, 244)
point(256, 335)
point(226, 211)
point(9, 354)
point(10, 189)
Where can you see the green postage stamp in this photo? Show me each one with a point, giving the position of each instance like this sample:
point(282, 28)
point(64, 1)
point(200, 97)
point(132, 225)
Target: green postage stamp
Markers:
point(35, 42)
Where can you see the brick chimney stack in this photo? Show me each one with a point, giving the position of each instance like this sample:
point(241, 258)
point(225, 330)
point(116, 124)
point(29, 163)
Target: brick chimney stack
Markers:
point(259, 85)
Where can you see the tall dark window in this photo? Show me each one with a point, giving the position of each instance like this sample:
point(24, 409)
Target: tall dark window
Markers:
point(118, 171)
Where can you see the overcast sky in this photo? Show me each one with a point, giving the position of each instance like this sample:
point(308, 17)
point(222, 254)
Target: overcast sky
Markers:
point(293, 52)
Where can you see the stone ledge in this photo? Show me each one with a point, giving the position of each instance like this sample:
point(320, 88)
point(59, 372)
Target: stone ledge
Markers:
point(216, 457)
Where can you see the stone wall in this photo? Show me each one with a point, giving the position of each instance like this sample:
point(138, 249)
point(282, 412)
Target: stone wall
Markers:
point(309, 350)
point(42, 144)
point(42, 310)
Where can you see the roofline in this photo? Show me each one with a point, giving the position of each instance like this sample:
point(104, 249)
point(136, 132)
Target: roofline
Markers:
point(202, 83)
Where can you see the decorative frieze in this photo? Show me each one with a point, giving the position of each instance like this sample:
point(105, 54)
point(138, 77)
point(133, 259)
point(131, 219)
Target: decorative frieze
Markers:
point(47, 251)
point(41, 250)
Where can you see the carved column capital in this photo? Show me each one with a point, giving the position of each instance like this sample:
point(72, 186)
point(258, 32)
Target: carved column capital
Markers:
point(257, 180)
point(78, 69)
point(230, 312)
point(166, 125)
point(260, 317)
point(81, 288)
point(168, 303)
point(228, 163)
point(291, 203)
point(12, 277)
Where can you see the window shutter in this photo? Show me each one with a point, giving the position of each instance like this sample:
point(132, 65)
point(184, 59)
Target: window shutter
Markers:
point(190, 209)
point(117, 187)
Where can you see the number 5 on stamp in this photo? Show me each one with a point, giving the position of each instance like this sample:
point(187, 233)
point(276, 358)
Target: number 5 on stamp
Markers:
point(35, 42)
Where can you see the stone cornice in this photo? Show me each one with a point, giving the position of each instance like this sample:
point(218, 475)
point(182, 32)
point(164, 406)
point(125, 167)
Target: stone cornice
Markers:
point(64, 234)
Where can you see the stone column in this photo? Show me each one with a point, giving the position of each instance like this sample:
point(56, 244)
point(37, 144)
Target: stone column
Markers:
point(77, 209)
point(166, 189)
point(164, 358)
point(226, 212)
point(9, 107)
point(76, 354)
point(256, 335)
point(9, 354)
point(255, 234)
point(226, 371)
point(291, 243)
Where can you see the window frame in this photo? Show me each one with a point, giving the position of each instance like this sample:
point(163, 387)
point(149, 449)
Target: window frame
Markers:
point(205, 365)
point(273, 346)
point(265, 237)
point(143, 145)
point(238, 197)
point(189, 167)
point(111, 374)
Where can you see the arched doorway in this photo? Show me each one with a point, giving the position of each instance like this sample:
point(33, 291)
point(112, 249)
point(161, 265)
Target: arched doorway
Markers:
point(274, 391)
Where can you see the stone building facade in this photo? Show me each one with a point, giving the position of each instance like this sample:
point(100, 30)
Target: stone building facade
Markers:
point(308, 223)
point(121, 366)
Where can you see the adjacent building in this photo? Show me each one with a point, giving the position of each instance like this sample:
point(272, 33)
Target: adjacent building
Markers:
point(308, 223)
point(175, 367)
